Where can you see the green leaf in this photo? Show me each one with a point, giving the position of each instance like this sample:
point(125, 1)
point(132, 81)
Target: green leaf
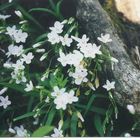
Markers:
point(58, 6)
point(107, 119)
point(51, 115)
point(42, 131)
point(14, 86)
point(43, 10)
point(58, 9)
point(94, 109)
point(73, 125)
point(42, 37)
point(52, 4)
point(27, 115)
point(29, 17)
point(66, 124)
point(5, 6)
point(19, 88)
point(98, 125)
point(30, 103)
point(30, 114)
point(92, 98)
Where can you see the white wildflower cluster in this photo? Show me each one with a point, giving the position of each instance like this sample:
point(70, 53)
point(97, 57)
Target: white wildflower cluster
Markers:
point(62, 98)
point(18, 68)
point(79, 75)
point(70, 59)
point(17, 58)
point(85, 50)
point(15, 50)
point(55, 37)
point(77, 60)
point(89, 50)
point(16, 35)
point(18, 74)
point(19, 131)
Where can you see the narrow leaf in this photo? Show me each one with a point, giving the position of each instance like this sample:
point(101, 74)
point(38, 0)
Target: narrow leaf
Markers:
point(98, 125)
point(73, 125)
point(51, 115)
point(42, 131)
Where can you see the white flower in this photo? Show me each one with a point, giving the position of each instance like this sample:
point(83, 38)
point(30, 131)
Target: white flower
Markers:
point(20, 36)
point(47, 100)
point(29, 87)
point(27, 58)
point(16, 35)
point(14, 50)
point(58, 27)
point(109, 85)
point(57, 91)
point(4, 101)
point(61, 101)
point(18, 13)
point(90, 50)
point(71, 59)
point(63, 59)
point(66, 41)
point(4, 17)
point(11, 30)
point(71, 98)
point(127, 135)
point(53, 38)
point(63, 98)
point(131, 109)
point(75, 58)
point(79, 75)
point(3, 90)
point(57, 133)
point(18, 76)
point(20, 131)
point(82, 42)
point(105, 38)
point(18, 66)
point(8, 64)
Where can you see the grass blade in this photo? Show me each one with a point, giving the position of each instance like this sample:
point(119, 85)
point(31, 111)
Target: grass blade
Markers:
point(43, 10)
point(73, 125)
point(51, 115)
point(98, 125)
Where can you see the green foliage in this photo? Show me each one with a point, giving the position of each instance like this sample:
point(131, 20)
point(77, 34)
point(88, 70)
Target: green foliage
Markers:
point(42, 131)
point(95, 104)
